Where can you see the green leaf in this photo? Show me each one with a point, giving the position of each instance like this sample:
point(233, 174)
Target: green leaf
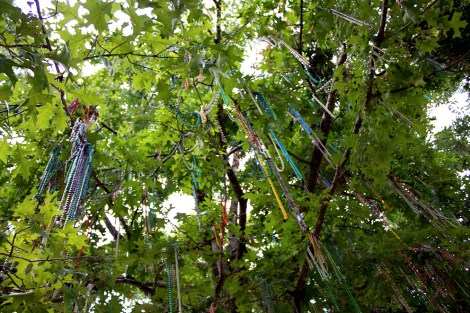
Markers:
point(22, 165)
point(44, 115)
point(99, 14)
point(456, 23)
point(4, 151)
point(60, 119)
point(62, 55)
point(6, 66)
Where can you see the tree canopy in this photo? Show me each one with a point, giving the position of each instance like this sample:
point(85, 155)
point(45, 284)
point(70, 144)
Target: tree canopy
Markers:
point(316, 182)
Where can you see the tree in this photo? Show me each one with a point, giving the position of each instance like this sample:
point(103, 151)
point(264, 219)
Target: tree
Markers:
point(315, 185)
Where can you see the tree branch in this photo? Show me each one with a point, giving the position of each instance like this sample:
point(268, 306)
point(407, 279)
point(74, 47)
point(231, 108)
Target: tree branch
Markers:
point(218, 30)
point(383, 22)
point(299, 49)
point(126, 54)
point(109, 225)
point(325, 126)
point(60, 78)
point(145, 287)
point(108, 128)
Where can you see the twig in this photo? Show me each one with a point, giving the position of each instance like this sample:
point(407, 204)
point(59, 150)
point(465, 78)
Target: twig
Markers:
point(130, 53)
point(428, 7)
point(301, 26)
point(108, 128)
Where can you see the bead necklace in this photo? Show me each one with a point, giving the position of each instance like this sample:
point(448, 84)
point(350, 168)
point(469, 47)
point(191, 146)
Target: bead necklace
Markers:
point(313, 136)
point(248, 91)
point(266, 105)
point(343, 281)
point(177, 274)
point(381, 216)
point(410, 199)
point(169, 285)
point(348, 18)
point(386, 274)
point(278, 142)
point(51, 169)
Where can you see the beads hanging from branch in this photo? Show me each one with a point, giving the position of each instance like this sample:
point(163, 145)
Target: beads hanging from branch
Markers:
point(314, 137)
point(169, 285)
point(50, 174)
point(388, 279)
point(177, 274)
point(278, 142)
point(195, 176)
point(78, 176)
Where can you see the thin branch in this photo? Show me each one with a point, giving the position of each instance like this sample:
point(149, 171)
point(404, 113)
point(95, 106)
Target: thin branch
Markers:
point(136, 64)
point(109, 225)
point(428, 7)
point(23, 45)
point(50, 259)
point(383, 22)
point(235, 149)
point(145, 287)
point(299, 49)
point(297, 157)
point(14, 238)
point(325, 126)
point(197, 91)
point(238, 29)
point(108, 128)
point(218, 29)
point(168, 156)
point(105, 55)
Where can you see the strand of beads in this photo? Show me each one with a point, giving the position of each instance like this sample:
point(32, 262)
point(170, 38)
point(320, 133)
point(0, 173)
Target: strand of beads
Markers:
point(311, 261)
point(343, 281)
point(273, 188)
point(265, 299)
point(286, 154)
point(79, 182)
point(177, 273)
point(410, 200)
point(381, 216)
point(285, 190)
point(52, 167)
point(331, 240)
point(266, 106)
point(278, 156)
point(248, 91)
point(313, 136)
point(290, 200)
point(348, 18)
point(196, 176)
point(169, 286)
point(254, 140)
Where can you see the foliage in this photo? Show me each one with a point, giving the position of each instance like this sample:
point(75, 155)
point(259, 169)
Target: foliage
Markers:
point(385, 215)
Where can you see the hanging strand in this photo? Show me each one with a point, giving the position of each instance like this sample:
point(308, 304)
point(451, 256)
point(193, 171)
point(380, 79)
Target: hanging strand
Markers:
point(278, 142)
point(52, 167)
point(266, 105)
point(377, 213)
point(178, 291)
point(348, 18)
point(342, 280)
point(290, 200)
point(273, 188)
point(315, 139)
point(169, 285)
point(411, 200)
point(254, 140)
point(248, 91)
